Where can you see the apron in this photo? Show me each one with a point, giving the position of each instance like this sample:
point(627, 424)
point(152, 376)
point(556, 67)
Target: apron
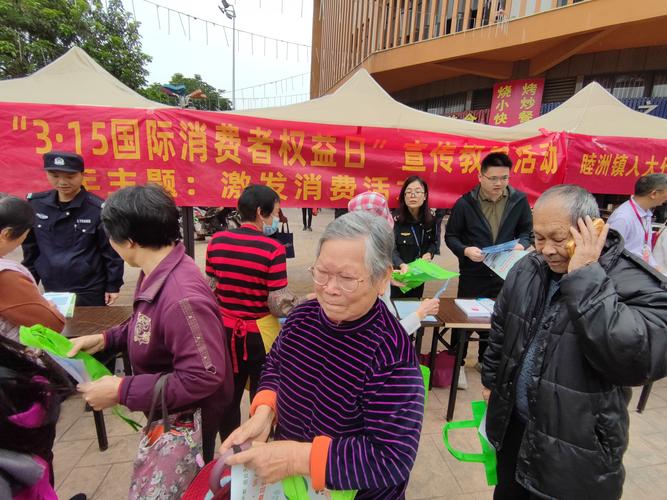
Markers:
point(268, 327)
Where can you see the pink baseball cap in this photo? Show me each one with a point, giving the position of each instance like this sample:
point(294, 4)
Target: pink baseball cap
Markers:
point(372, 202)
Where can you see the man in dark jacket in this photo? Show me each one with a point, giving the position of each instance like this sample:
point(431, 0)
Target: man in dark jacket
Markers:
point(492, 213)
point(575, 324)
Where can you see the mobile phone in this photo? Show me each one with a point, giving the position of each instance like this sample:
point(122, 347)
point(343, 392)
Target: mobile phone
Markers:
point(598, 224)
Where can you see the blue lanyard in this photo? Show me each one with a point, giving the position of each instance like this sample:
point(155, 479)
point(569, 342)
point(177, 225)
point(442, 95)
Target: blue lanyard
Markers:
point(414, 233)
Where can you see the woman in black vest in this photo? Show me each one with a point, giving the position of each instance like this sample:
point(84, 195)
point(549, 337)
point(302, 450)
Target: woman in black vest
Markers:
point(414, 230)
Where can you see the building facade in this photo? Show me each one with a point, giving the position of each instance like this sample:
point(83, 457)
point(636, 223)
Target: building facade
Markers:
point(444, 56)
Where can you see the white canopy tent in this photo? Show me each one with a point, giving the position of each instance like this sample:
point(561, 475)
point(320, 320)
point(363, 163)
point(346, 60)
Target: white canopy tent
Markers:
point(594, 111)
point(73, 79)
point(76, 79)
point(362, 102)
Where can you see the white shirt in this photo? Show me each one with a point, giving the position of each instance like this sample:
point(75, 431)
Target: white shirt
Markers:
point(660, 249)
point(625, 221)
point(410, 323)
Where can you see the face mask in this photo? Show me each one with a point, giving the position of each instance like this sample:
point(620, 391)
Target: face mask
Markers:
point(273, 228)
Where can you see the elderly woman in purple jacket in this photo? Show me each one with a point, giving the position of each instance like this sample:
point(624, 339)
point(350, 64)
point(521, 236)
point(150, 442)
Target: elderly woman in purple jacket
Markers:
point(175, 329)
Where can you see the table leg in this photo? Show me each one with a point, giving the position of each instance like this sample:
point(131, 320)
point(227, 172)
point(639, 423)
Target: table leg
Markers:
point(433, 354)
point(127, 366)
point(451, 404)
point(101, 430)
point(643, 397)
point(419, 336)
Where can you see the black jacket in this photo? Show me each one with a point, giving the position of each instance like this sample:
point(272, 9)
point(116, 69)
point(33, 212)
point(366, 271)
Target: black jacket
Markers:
point(467, 227)
point(607, 330)
point(68, 249)
point(413, 239)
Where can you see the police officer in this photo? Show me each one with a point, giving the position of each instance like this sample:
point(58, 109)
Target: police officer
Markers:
point(68, 249)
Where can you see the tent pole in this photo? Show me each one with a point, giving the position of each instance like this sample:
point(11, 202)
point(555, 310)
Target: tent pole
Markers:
point(187, 221)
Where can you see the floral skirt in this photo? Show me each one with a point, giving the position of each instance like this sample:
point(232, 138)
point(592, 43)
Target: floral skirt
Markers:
point(167, 463)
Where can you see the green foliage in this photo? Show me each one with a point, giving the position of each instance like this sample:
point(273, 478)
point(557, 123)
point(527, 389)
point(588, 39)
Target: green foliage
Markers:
point(213, 101)
point(35, 32)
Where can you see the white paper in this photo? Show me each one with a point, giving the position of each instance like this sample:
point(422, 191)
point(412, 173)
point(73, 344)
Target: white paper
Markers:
point(501, 263)
point(247, 486)
point(502, 247)
point(405, 308)
point(475, 308)
point(74, 367)
point(64, 301)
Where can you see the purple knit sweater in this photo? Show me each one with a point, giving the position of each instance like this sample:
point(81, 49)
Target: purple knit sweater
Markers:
point(358, 383)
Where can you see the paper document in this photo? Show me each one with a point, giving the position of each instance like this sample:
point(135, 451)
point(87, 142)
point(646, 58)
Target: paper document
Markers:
point(476, 308)
point(247, 486)
point(74, 367)
point(405, 308)
point(501, 263)
point(502, 247)
point(64, 301)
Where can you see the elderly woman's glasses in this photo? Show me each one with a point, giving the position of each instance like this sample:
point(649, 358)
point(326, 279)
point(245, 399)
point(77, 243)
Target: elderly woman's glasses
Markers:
point(414, 194)
point(346, 284)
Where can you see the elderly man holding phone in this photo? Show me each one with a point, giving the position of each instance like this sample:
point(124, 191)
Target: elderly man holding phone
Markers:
point(576, 323)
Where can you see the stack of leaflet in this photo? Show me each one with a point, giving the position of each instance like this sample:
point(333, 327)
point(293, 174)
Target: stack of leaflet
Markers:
point(476, 308)
point(64, 301)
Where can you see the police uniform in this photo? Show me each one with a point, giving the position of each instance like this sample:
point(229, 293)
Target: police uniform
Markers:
point(68, 249)
point(412, 240)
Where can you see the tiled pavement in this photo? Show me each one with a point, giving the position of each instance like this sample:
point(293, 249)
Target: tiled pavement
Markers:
point(81, 467)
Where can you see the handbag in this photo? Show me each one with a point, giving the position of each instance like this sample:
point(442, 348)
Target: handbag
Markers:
point(443, 371)
point(286, 238)
point(170, 452)
point(488, 454)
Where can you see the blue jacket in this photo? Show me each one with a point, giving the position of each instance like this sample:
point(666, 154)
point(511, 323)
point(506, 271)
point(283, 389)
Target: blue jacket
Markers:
point(68, 249)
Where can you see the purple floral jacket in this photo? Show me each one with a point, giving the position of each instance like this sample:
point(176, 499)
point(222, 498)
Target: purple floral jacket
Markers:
point(175, 328)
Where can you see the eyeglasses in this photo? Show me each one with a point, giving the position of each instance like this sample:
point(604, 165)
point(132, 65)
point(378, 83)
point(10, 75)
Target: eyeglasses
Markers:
point(414, 194)
point(495, 180)
point(346, 284)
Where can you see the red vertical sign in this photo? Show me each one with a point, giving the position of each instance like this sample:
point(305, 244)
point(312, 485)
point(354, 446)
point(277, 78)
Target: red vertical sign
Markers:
point(516, 101)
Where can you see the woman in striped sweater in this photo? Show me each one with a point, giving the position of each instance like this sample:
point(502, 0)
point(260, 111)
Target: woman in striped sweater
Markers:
point(342, 383)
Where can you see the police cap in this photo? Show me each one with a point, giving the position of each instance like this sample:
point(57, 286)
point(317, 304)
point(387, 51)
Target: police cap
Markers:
point(63, 162)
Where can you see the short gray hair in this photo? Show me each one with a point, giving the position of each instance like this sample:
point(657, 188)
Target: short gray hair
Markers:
point(576, 200)
point(375, 230)
point(649, 183)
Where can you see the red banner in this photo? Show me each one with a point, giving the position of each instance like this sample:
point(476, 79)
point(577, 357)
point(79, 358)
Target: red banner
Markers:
point(516, 101)
point(207, 158)
point(612, 165)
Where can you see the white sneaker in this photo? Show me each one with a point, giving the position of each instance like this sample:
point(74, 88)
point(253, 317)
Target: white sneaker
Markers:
point(463, 381)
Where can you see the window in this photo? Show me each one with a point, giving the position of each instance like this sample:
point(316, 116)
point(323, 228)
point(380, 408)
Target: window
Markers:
point(454, 103)
point(606, 81)
point(482, 98)
point(436, 106)
point(558, 89)
point(659, 85)
point(629, 86)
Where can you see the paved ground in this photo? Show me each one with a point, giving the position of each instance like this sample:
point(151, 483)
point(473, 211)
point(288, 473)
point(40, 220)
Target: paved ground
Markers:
point(81, 467)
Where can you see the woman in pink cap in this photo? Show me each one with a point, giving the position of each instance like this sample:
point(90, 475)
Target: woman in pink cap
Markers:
point(376, 204)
